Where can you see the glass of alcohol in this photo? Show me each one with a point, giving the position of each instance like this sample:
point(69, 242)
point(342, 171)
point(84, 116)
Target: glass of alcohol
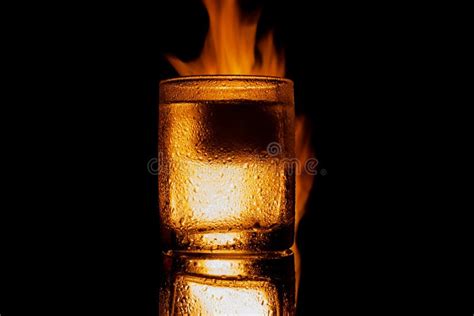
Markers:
point(226, 163)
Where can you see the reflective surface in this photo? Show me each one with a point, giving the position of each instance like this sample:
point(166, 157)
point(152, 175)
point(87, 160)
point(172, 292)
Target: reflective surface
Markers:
point(227, 284)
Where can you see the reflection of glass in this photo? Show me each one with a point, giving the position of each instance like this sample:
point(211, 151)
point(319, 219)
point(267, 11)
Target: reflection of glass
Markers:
point(225, 179)
point(227, 284)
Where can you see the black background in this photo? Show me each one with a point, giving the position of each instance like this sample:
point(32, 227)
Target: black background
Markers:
point(81, 229)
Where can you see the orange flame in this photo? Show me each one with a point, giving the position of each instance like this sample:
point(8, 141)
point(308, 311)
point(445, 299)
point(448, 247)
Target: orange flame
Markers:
point(229, 48)
point(304, 182)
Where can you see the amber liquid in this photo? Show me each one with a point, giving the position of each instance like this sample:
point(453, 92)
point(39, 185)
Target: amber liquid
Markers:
point(221, 187)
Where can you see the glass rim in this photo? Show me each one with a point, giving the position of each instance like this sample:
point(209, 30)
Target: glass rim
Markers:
point(226, 77)
point(226, 88)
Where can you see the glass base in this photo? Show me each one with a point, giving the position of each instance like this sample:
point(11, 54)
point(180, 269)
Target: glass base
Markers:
point(276, 239)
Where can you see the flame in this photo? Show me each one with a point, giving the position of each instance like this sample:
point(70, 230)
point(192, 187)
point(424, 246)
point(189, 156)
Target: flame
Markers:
point(229, 48)
point(304, 182)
